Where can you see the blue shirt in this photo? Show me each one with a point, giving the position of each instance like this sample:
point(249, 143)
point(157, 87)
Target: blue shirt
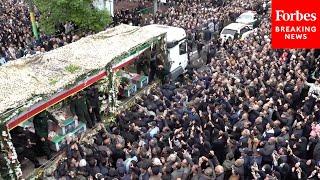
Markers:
point(154, 131)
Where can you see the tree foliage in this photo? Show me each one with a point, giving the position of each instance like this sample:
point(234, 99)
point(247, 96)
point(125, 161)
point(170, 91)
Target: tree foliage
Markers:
point(80, 12)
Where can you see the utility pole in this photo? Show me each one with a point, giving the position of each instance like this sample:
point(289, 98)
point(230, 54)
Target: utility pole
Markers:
point(33, 19)
point(155, 7)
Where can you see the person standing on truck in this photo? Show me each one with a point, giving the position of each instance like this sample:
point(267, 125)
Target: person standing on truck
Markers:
point(94, 104)
point(143, 63)
point(80, 109)
point(153, 65)
point(40, 122)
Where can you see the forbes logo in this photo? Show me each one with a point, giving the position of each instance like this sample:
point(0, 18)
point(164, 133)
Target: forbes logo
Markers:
point(281, 15)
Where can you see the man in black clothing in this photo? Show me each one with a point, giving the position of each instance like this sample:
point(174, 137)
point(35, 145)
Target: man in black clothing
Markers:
point(25, 148)
point(143, 64)
point(211, 53)
point(199, 47)
point(162, 74)
point(40, 122)
point(153, 65)
point(94, 104)
point(80, 110)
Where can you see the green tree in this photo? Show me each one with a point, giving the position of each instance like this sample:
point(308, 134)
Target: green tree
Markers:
point(80, 12)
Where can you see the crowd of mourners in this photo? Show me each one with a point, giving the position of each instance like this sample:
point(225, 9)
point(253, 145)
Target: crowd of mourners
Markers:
point(13, 14)
point(247, 114)
point(16, 36)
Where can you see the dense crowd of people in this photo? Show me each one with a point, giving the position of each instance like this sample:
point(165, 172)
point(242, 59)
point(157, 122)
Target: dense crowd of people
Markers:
point(247, 114)
point(13, 14)
point(16, 36)
point(132, 17)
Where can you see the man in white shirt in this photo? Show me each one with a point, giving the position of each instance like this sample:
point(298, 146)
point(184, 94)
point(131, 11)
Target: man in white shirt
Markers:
point(314, 88)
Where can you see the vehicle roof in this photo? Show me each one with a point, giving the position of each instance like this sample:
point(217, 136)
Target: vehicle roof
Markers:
point(249, 13)
point(173, 33)
point(32, 77)
point(235, 26)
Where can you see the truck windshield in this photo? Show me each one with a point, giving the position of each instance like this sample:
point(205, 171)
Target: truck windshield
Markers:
point(229, 31)
point(171, 44)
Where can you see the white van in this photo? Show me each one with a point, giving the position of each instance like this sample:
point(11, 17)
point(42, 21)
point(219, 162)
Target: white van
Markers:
point(249, 18)
point(230, 31)
point(176, 40)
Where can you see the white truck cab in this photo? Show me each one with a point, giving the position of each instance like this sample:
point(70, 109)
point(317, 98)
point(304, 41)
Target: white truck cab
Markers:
point(176, 48)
